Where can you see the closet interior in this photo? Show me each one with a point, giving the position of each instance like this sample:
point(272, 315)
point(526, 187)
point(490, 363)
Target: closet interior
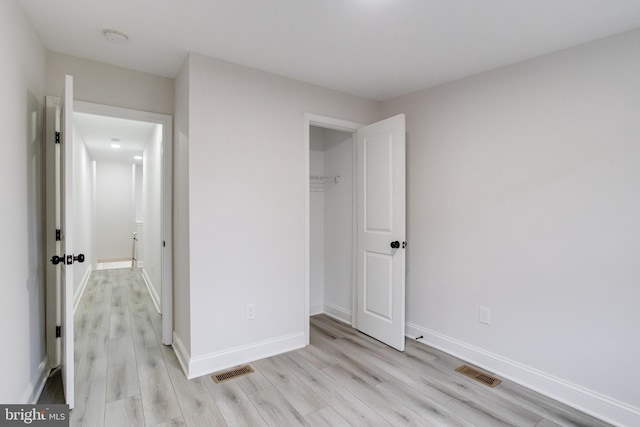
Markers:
point(331, 222)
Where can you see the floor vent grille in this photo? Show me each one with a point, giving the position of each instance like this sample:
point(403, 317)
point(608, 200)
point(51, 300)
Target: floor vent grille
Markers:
point(479, 376)
point(232, 373)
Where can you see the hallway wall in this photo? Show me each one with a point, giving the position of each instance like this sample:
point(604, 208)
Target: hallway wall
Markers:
point(84, 220)
point(152, 212)
point(114, 211)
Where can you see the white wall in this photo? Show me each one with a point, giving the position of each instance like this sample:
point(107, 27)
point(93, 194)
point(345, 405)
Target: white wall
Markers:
point(316, 225)
point(114, 211)
point(108, 84)
point(338, 225)
point(138, 193)
point(22, 62)
point(151, 209)
point(139, 223)
point(246, 168)
point(84, 216)
point(181, 247)
point(523, 196)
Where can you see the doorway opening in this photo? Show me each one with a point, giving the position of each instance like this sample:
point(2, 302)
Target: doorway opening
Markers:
point(330, 218)
point(375, 224)
point(331, 228)
point(150, 178)
point(122, 185)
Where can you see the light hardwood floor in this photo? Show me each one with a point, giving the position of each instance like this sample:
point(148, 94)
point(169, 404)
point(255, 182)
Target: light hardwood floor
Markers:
point(125, 377)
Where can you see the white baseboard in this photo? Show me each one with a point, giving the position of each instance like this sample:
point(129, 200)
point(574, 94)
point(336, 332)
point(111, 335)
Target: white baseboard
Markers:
point(316, 309)
point(587, 401)
point(152, 292)
point(181, 353)
point(337, 313)
point(213, 362)
point(83, 285)
point(32, 394)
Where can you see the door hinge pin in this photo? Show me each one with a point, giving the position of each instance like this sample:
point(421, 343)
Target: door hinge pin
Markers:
point(57, 234)
point(58, 331)
point(57, 137)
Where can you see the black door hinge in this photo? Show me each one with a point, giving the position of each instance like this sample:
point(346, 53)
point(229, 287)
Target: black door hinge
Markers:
point(58, 331)
point(57, 234)
point(57, 137)
point(164, 243)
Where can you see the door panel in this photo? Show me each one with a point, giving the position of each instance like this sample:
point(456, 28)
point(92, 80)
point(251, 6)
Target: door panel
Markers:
point(378, 298)
point(378, 208)
point(381, 221)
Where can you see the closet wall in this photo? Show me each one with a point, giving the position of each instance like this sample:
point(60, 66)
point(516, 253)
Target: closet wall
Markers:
point(331, 218)
point(316, 224)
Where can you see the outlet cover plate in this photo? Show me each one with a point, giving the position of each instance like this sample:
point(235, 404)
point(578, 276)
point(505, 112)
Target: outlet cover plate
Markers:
point(485, 315)
point(251, 311)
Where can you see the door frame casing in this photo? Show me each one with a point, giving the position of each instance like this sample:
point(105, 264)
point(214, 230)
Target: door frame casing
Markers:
point(344, 126)
point(166, 212)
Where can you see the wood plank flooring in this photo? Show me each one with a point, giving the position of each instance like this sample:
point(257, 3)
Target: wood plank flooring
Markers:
point(126, 377)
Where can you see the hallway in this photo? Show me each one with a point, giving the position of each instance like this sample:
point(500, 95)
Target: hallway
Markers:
point(122, 370)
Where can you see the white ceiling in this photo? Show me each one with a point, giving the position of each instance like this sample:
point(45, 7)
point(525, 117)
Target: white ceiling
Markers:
point(377, 49)
point(98, 132)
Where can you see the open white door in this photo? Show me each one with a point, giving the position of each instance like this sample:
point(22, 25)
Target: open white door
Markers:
point(65, 260)
point(381, 231)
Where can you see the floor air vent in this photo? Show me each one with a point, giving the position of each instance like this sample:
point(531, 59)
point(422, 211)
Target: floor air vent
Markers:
point(232, 373)
point(479, 376)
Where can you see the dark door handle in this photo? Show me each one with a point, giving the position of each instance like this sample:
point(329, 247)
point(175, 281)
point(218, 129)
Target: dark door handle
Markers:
point(395, 245)
point(55, 260)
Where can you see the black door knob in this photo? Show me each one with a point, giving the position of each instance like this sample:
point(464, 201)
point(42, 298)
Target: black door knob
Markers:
point(395, 245)
point(79, 258)
point(55, 260)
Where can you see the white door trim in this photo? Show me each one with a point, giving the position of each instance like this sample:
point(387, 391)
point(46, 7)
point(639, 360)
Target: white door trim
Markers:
point(167, 197)
point(345, 126)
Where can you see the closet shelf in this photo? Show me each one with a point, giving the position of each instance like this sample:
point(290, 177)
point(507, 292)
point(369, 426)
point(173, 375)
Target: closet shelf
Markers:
point(322, 183)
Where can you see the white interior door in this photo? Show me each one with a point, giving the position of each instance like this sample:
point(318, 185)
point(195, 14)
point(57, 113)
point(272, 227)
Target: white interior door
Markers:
point(381, 231)
point(64, 167)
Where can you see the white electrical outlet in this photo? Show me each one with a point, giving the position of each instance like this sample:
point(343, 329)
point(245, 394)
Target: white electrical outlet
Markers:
point(251, 311)
point(485, 315)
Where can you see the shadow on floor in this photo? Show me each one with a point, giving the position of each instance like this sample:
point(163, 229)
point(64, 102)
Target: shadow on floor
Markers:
point(52, 391)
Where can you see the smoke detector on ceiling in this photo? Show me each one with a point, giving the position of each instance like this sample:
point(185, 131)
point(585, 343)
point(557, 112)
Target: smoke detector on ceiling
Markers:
point(115, 37)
